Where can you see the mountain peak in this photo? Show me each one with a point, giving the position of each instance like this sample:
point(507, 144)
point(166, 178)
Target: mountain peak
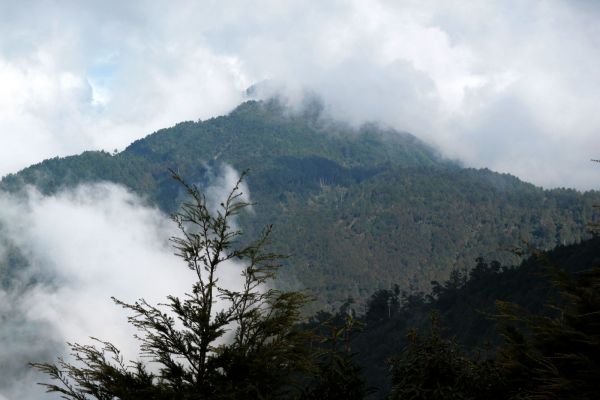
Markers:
point(357, 206)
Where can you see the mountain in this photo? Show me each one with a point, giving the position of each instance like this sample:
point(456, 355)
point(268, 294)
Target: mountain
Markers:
point(358, 209)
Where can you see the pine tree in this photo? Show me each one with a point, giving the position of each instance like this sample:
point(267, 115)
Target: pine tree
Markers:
point(185, 336)
point(556, 356)
point(337, 375)
point(432, 367)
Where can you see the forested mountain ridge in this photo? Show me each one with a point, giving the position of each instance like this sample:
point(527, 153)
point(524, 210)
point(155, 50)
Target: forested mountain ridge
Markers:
point(357, 208)
point(255, 135)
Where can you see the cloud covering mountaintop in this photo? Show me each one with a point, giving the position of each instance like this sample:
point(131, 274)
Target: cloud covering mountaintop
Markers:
point(508, 85)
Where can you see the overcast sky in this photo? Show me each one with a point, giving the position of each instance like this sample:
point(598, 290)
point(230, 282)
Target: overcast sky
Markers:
point(509, 85)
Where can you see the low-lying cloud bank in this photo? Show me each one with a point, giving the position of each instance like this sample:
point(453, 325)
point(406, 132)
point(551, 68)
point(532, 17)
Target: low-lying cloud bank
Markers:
point(77, 249)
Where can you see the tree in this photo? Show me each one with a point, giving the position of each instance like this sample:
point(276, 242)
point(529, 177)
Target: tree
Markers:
point(556, 356)
point(182, 340)
point(383, 305)
point(337, 374)
point(435, 368)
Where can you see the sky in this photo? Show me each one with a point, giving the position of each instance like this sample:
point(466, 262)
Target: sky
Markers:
point(509, 85)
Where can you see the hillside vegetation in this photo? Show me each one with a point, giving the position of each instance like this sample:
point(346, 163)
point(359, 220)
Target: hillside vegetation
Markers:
point(357, 208)
point(465, 305)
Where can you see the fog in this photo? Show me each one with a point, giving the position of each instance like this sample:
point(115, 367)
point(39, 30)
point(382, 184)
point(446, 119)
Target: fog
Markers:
point(81, 247)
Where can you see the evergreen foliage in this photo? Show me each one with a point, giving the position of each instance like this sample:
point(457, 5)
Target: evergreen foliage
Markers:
point(558, 356)
point(431, 368)
point(356, 207)
point(466, 309)
point(337, 375)
point(183, 340)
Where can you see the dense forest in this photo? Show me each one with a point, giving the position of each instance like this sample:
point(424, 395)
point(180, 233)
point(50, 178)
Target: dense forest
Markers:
point(356, 207)
point(494, 332)
point(466, 307)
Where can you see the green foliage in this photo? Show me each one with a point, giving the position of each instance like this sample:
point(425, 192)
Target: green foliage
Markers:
point(356, 207)
point(432, 368)
point(184, 338)
point(538, 352)
point(383, 305)
point(337, 375)
point(102, 374)
point(547, 352)
point(466, 305)
point(558, 356)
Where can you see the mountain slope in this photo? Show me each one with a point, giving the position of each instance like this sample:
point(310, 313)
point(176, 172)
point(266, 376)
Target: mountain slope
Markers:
point(357, 209)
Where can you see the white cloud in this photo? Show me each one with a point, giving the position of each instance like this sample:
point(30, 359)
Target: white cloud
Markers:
point(508, 85)
point(222, 179)
point(83, 246)
point(76, 78)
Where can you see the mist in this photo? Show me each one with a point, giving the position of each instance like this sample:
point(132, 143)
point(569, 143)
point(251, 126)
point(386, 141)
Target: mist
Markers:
point(77, 249)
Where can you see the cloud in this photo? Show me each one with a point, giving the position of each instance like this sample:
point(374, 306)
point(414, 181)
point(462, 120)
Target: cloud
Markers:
point(98, 77)
point(508, 85)
point(78, 248)
point(221, 179)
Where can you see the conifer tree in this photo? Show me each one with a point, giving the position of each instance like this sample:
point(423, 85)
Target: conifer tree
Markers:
point(432, 367)
point(184, 353)
point(556, 356)
point(337, 375)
